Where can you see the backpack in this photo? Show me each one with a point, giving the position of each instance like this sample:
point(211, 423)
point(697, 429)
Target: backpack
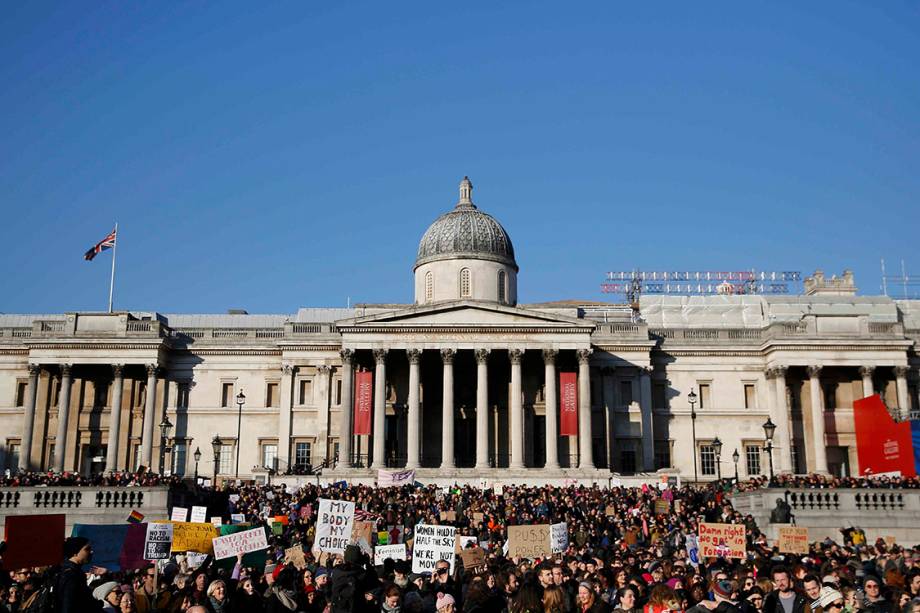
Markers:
point(343, 591)
point(42, 600)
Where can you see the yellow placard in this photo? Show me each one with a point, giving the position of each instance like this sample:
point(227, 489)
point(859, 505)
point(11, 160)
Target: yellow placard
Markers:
point(188, 536)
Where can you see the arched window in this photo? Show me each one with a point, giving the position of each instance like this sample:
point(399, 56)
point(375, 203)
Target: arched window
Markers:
point(501, 286)
point(465, 283)
point(429, 286)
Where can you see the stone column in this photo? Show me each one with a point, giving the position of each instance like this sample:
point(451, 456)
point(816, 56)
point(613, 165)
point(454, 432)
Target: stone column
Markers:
point(348, 383)
point(900, 373)
point(552, 410)
point(585, 454)
point(149, 417)
point(28, 418)
point(866, 373)
point(609, 413)
point(286, 399)
point(817, 419)
point(413, 448)
point(482, 408)
point(323, 386)
point(111, 451)
point(782, 439)
point(380, 408)
point(447, 409)
point(648, 423)
point(60, 441)
point(517, 410)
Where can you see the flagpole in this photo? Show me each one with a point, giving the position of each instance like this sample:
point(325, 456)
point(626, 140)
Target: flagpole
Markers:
point(112, 279)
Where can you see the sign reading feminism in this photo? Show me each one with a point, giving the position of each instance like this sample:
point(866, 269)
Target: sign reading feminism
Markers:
point(568, 404)
point(364, 398)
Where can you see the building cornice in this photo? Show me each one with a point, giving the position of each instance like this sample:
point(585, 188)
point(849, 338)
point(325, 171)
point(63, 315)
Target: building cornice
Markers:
point(460, 329)
point(228, 351)
point(97, 345)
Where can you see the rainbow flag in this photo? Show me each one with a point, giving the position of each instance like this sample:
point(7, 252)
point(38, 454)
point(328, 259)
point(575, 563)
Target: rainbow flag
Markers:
point(135, 517)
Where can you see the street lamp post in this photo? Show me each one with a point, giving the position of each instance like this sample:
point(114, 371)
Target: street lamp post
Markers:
point(769, 429)
point(197, 459)
point(717, 447)
point(691, 398)
point(216, 444)
point(735, 457)
point(165, 430)
point(240, 401)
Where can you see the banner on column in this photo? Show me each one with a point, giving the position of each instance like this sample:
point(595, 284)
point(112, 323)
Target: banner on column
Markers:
point(364, 398)
point(568, 404)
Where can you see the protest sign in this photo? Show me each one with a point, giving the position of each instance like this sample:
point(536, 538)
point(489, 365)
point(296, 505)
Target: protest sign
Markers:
point(610, 511)
point(889, 540)
point(277, 528)
point(282, 519)
point(478, 517)
point(559, 537)
point(395, 478)
point(107, 541)
point(199, 515)
point(361, 532)
point(334, 525)
point(33, 540)
point(193, 537)
point(234, 498)
point(383, 537)
point(294, 555)
point(158, 541)
point(305, 511)
point(473, 559)
point(662, 507)
point(239, 542)
point(179, 514)
point(237, 518)
point(448, 516)
point(529, 541)
point(464, 541)
point(721, 540)
point(217, 522)
point(499, 489)
point(693, 550)
point(431, 544)
point(195, 559)
point(392, 552)
point(793, 539)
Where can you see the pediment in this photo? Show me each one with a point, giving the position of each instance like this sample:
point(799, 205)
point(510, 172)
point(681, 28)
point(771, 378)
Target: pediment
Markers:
point(464, 314)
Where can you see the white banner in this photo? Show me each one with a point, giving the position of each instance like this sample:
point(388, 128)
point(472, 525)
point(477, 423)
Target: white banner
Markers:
point(391, 478)
point(199, 515)
point(239, 542)
point(334, 524)
point(393, 552)
point(559, 537)
point(433, 543)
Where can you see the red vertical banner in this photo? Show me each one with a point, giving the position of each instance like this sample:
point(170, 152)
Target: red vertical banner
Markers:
point(364, 398)
point(568, 404)
point(882, 445)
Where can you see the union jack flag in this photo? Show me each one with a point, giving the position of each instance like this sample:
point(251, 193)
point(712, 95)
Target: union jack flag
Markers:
point(362, 515)
point(107, 243)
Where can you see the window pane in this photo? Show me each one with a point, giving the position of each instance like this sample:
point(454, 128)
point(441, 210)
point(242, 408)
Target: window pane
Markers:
point(269, 453)
point(21, 393)
point(707, 460)
point(749, 399)
point(12, 456)
point(752, 455)
point(705, 401)
point(302, 453)
point(179, 459)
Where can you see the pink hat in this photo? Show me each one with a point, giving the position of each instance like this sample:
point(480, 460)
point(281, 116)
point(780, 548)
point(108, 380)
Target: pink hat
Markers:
point(443, 600)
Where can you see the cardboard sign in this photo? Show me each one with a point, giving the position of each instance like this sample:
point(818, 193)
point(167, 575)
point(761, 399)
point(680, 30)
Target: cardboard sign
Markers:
point(529, 541)
point(217, 522)
point(334, 525)
point(391, 552)
point(559, 537)
point(237, 518)
point(107, 541)
point(473, 559)
point(361, 534)
point(722, 541)
point(33, 540)
point(193, 537)
point(431, 544)
point(194, 559)
point(199, 515)
point(448, 516)
point(610, 511)
point(294, 555)
point(478, 517)
point(157, 542)
point(239, 542)
point(179, 514)
point(889, 540)
point(662, 507)
point(793, 539)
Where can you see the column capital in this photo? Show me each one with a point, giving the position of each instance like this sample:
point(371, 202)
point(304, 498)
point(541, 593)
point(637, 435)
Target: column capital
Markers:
point(118, 370)
point(323, 370)
point(65, 369)
point(151, 370)
point(35, 370)
point(414, 355)
point(380, 355)
point(515, 355)
point(287, 369)
point(866, 371)
point(482, 356)
point(646, 371)
point(549, 356)
point(447, 355)
point(814, 371)
point(901, 371)
point(347, 356)
point(584, 355)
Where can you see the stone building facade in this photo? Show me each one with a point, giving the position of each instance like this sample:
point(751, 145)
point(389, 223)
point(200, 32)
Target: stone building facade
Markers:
point(465, 379)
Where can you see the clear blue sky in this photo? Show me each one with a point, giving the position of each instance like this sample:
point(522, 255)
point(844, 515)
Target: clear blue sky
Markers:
point(271, 157)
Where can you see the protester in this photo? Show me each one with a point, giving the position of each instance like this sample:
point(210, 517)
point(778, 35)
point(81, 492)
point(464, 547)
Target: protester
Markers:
point(72, 595)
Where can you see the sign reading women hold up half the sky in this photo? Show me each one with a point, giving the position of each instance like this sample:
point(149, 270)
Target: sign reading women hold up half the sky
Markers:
point(334, 524)
point(568, 404)
point(431, 544)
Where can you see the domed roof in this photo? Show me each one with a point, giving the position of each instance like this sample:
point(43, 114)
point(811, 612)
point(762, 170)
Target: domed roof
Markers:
point(465, 232)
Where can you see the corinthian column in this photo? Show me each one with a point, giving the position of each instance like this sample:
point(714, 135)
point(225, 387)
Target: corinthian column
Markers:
point(648, 427)
point(866, 373)
point(585, 453)
point(817, 419)
point(900, 374)
point(482, 408)
point(60, 441)
point(517, 411)
point(552, 412)
point(447, 409)
point(782, 441)
point(149, 416)
point(28, 418)
point(286, 389)
point(412, 438)
point(380, 408)
point(111, 451)
point(348, 382)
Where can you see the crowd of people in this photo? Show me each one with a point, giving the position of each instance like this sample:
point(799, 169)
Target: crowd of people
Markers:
point(625, 555)
point(141, 478)
point(814, 481)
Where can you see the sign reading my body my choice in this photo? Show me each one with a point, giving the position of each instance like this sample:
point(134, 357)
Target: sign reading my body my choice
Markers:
point(334, 525)
point(433, 543)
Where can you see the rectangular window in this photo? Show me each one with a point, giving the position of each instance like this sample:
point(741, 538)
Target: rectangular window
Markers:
point(705, 399)
point(338, 392)
point(140, 393)
point(302, 453)
point(100, 394)
point(306, 392)
point(750, 400)
point(179, 459)
point(227, 456)
point(12, 455)
point(752, 455)
point(272, 397)
point(626, 395)
point(660, 396)
point(335, 451)
point(627, 461)
point(830, 396)
point(662, 454)
point(269, 453)
point(21, 387)
point(226, 394)
point(707, 460)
